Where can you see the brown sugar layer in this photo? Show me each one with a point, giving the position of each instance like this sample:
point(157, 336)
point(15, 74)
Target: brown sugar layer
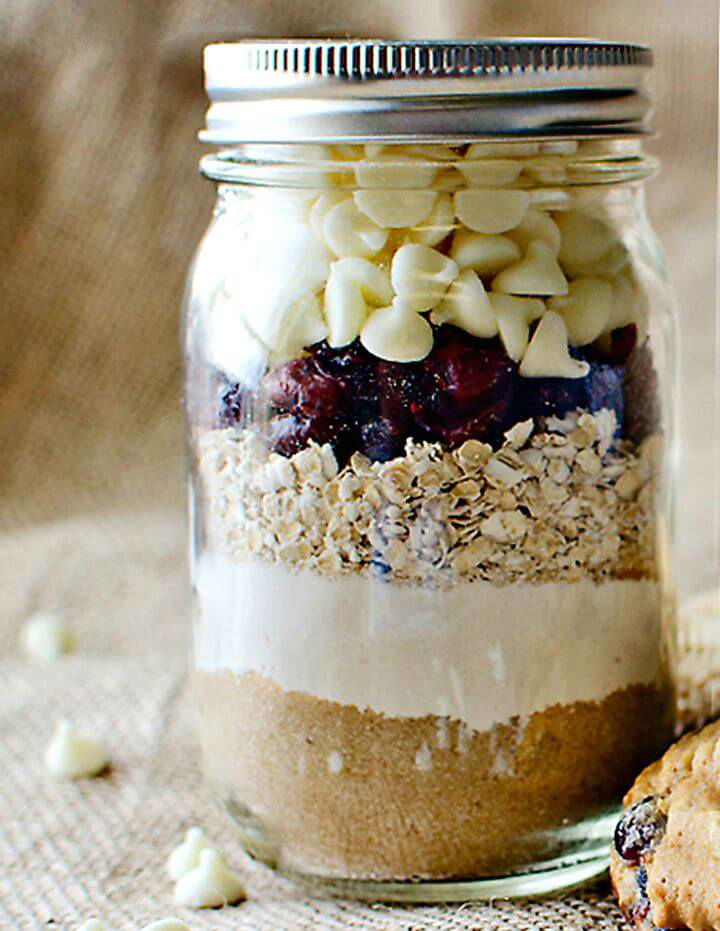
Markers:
point(354, 793)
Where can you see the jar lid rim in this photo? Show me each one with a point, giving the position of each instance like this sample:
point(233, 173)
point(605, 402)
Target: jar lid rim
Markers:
point(352, 90)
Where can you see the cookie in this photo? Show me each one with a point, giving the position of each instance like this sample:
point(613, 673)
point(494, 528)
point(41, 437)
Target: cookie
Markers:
point(665, 866)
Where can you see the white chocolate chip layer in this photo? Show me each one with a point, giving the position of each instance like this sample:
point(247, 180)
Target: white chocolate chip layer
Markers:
point(491, 211)
point(538, 273)
point(397, 333)
point(466, 305)
point(421, 275)
point(547, 355)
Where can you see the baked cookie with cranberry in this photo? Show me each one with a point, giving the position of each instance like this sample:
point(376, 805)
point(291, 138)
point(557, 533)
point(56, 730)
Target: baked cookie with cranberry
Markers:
point(665, 867)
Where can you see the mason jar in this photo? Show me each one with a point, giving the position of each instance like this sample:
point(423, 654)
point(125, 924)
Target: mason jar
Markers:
point(429, 351)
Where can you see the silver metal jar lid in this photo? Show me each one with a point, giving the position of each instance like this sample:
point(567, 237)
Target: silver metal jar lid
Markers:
point(357, 90)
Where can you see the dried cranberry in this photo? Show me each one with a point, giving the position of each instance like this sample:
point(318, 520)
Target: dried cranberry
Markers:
point(622, 343)
point(231, 405)
point(466, 372)
point(355, 368)
point(639, 830)
point(401, 388)
point(642, 402)
point(302, 386)
point(382, 439)
point(290, 433)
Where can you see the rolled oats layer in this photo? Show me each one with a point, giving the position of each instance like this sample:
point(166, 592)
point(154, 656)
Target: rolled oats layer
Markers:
point(560, 500)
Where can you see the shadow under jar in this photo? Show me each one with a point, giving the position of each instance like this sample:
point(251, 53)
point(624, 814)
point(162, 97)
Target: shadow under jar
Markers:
point(429, 384)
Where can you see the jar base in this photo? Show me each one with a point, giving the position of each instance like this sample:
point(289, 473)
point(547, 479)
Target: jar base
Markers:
point(588, 861)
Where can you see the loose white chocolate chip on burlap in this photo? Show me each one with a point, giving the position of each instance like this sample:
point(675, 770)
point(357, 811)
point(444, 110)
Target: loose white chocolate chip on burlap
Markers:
point(395, 209)
point(46, 637)
point(397, 333)
point(211, 884)
point(421, 275)
point(491, 211)
point(466, 305)
point(585, 309)
point(514, 316)
point(485, 253)
point(547, 355)
point(167, 924)
point(186, 856)
point(70, 755)
point(537, 274)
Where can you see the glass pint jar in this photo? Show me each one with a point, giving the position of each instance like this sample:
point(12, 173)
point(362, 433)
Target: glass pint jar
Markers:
point(429, 385)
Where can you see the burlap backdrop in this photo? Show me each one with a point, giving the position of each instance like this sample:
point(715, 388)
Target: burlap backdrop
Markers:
point(102, 208)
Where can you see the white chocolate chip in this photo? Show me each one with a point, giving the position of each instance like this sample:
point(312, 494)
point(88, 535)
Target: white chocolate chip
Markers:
point(421, 275)
point(46, 637)
point(397, 333)
point(546, 169)
point(502, 149)
point(423, 758)
point(559, 146)
point(348, 231)
point(92, 924)
point(232, 346)
point(395, 209)
point(70, 755)
point(436, 226)
point(390, 169)
point(514, 316)
point(466, 305)
point(625, 304)
point(167, 924)
point(320, 208)
point(345, 310)
point(485, 253)
point(298, 264)
point(186, 856)
point(547, 355)
point(585, 239)
point(491, 211)
point(537, 224)
point(304, 326)
point(585, 309)
point(489, 172)
point(538, 273)
point(210, 885)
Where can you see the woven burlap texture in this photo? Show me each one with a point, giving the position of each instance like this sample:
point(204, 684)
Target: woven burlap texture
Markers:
point(101, 211)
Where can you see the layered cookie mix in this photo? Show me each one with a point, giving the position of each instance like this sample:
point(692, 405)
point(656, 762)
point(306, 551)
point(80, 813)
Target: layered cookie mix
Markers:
point(429, 574)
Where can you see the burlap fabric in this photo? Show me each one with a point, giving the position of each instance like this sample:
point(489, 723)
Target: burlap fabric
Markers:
point(101, 211)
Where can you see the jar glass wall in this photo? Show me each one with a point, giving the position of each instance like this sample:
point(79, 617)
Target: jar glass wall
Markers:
point(429, 395)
